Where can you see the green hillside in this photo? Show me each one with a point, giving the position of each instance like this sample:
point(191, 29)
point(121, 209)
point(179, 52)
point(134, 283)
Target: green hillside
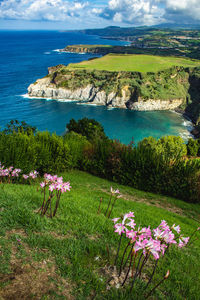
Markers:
point(71, 256)
point(134, 63)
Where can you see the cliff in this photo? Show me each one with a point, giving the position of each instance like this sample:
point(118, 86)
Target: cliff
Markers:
point(169, 89)
point(94, 49)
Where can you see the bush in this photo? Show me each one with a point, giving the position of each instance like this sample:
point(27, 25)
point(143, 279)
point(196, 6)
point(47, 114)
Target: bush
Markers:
point(193, 147)
point(89, 128)
point(159, 166)
point(43, 152)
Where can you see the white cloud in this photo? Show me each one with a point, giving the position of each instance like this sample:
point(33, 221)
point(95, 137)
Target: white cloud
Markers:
point(134, 12)
point(117, 17)
point(185, 10)
point(96, 12)
point(50, 10)
point(149, 12)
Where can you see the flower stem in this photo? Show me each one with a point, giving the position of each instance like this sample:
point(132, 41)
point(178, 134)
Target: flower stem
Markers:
point(118, 249)
point(41, 208)
point(108, 205)
point(112, 207)
point(152, 274)
point(99, 208)
point(129, 267)
point(57, 204)
point(136, 272)
point(160, 282)
point(127, 258)
point(120, 270)
point(143, 263)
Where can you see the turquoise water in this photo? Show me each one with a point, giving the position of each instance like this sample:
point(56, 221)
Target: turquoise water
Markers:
point(26, 55)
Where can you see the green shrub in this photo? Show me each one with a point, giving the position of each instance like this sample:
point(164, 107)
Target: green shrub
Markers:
point(42, 151)
point(89, 128)
point(193, 147)
point(159, 166)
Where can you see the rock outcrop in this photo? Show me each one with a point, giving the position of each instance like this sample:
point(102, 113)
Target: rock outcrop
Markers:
point(91, 94)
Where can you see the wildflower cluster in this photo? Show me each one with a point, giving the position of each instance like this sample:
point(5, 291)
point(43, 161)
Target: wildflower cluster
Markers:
point(32, 175)
point(144, 243)
point(8, 174)
point(52, 187)
point(114, 195)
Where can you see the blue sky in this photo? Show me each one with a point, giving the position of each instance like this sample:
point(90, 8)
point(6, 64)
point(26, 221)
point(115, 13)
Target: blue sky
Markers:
point(79, 14)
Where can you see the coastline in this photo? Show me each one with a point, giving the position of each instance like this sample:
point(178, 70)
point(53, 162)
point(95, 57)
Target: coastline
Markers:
point(195, 133)
point(188, 132)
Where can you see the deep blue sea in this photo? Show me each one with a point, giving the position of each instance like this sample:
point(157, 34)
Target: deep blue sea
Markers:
point(25, 57)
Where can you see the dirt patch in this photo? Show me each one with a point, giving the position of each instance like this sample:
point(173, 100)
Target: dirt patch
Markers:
point(56, 235)
point(20, 232)
point(156, 203)
point(94, 237)
point(30, 279)
point(60, 236)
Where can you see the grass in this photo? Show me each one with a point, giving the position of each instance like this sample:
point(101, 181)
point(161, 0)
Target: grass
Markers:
point(66, 257)
point(134, 63)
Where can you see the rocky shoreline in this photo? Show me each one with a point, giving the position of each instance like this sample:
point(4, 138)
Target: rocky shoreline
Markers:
point(127, 90)
point(90, 94)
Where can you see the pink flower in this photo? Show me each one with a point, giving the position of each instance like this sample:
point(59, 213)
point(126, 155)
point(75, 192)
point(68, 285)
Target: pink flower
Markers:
point(114, 191)
point(54, 178)
point(25, 176)
point(176, 228)
point(15, 172)
point(158, 233)
point(120, 228)
point(48, 177)
point(131, 235)
point(163, 233)
point(59, 180)
point(168, 237)
point(33, 174)
point(59, 186)
point(153, 246)
point(66, 186)
point(183, 241)
point(146, 232)
point(164, 225)
point(130, 215)
point(131, 223)
point(42, 184)
point(52, 187)
point(162, 248)
point(139, 245)
point(115, 220)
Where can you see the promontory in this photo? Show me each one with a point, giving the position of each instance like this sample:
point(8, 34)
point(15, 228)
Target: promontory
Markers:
point(137, 82)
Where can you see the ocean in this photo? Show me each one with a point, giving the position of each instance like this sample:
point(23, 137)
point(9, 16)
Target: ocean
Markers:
point(26, 55)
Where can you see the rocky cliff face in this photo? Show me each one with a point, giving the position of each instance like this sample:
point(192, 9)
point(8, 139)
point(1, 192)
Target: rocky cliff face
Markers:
point(91, 94)
point(85, 49)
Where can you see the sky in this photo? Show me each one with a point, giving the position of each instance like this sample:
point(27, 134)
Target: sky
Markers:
point(81, 14)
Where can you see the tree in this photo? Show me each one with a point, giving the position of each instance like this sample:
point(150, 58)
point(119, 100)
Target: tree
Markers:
point(16, 126)
point(87, 127)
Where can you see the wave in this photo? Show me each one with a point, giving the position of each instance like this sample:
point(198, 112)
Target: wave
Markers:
point(186, 135)
point(86, 103)
point(31, 97)
point(47, 99)
point(188, 125)
point(47, 52)
point(60, 51)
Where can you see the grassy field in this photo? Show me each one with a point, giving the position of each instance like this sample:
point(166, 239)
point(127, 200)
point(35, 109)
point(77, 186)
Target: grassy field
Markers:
point(67, 257)
point(129, 62)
